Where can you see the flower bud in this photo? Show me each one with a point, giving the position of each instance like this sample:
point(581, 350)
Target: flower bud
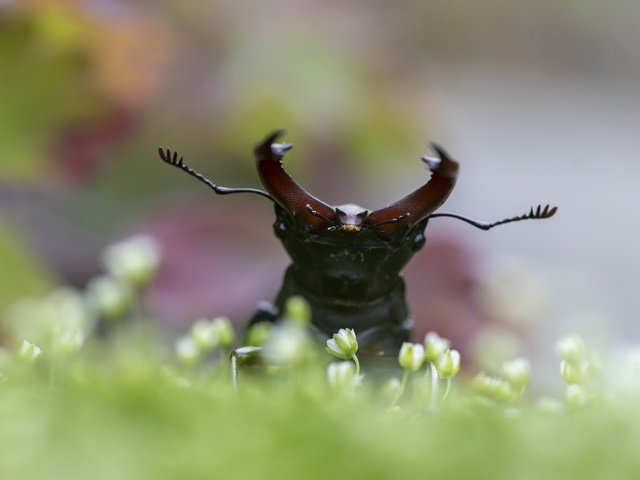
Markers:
point(226, 333)
point(29, 352)
point(391, 389)
point(575, 396)
point(341, 375)
point(448, 365)
point(187, 350)
point(297, 310)
point(134, 259)
point(257, 334)
point(573, 374)
point(344, 344)
point(209, 334)
point(434, 346)
point(205, 334)
point(493, 388)
point(411, 356)
point(111, 296)
point(572, 349)
point(549, 406)
point(65, 342)
point(517, 373)
point(287, 344)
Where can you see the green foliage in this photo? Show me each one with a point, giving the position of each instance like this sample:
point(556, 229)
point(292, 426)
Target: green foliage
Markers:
point(121, 405)
point(44, 68)
point(118, 418)
point(22, 274)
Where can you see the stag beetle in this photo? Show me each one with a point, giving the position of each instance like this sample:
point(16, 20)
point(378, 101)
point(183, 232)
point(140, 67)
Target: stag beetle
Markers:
point(346, 260)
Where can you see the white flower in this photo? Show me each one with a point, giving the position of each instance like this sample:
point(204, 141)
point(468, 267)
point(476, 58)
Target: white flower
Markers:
point(341, 375)
point(287, 344)
point(65, 342)
point(391, 389)
point(434, 346)
point(572, 349)
point(187, 350)
point(297, 310)
point(517, 373)
point(209, 334)
point(257, 334)
point(134, 259)
point(29, 352)
point(111, 296)
point(448, 365)
point(575, 396)
point(411, 356)
point(573, 373)
point(344, 344)
point(493, 388)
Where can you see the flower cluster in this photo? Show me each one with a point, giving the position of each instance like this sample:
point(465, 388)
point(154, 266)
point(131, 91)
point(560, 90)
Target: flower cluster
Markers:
point(444, 363)
point(204, 337)
point(575, 367)
point(506, 388)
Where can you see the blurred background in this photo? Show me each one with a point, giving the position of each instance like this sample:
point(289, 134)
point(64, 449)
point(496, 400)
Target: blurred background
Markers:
point(537, 100)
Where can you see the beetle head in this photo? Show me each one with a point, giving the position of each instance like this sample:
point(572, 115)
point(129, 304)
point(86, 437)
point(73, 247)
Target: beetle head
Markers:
point(311, 215)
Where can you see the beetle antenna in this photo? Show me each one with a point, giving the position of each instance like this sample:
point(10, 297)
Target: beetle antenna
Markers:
point(172, 159)
point(537, 214)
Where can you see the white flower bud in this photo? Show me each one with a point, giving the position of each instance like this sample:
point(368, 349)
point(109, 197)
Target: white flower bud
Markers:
point(341, 375)
point(287, 344)
point(297, 310)
point(549, 405)
point(67, 309)
point(434, 346)
point(448, 365)
point(494, 388)
point(391, 389)
point(572, 349)
point(187, 350)
point(344, 344)
point(134, 259)
point(29, 352)
point(575, 396)
point(573, 373)
point(111, 296)
point(517, 373)
point(65, 342)
point(411, 356)
point(257, 334)
point(226, 333)
point(205, 334)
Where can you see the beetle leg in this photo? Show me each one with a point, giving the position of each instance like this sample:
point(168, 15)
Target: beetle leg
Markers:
point(538, 214)
point(172, 159)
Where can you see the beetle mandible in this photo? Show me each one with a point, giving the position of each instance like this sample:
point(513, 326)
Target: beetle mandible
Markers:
point(346, 260)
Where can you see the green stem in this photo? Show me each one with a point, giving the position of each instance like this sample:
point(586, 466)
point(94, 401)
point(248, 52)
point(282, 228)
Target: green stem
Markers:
point(433, 404)
point(357, 362)
point(403, 384)
point(446, 390)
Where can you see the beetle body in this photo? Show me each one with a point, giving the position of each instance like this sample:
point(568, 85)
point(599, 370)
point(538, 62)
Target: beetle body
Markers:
point(350, 280)
point(346, 260)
